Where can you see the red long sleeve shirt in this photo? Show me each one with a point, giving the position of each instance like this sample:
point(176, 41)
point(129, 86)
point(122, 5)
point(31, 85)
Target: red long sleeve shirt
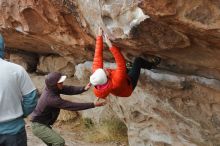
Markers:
point(118, 81)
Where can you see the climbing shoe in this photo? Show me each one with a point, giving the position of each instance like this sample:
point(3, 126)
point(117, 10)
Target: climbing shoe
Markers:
point(155, 61)
point(128, 65)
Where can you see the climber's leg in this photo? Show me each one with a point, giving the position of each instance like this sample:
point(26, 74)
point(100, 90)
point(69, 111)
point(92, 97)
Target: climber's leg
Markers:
point(139, 63)
point(134, 72)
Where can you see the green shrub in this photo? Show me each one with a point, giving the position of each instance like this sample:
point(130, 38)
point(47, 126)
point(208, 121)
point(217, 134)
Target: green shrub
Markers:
point(108, 131)
point(88, 123)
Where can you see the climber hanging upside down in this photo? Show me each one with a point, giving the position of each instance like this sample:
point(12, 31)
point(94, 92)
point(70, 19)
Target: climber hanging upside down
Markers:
point(116, 81)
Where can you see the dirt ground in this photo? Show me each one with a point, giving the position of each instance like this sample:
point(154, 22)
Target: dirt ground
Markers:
point(69, 136)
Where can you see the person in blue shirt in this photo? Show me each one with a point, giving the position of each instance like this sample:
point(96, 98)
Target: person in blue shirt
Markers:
point(18, 98)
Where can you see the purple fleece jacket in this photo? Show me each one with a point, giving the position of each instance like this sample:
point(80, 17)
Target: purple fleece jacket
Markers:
point(50, 102)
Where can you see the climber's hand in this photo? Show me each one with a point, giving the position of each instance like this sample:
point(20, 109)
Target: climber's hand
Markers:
point(100, 31)
point(108, 42)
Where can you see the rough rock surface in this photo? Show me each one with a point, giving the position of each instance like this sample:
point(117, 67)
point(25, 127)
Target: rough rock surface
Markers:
point(52, 63)
point(179, 104)
point(27, 60)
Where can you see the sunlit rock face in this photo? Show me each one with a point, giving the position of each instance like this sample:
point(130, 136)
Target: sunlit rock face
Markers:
point(184, 33)
point(176, 105)
point(44, 27)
